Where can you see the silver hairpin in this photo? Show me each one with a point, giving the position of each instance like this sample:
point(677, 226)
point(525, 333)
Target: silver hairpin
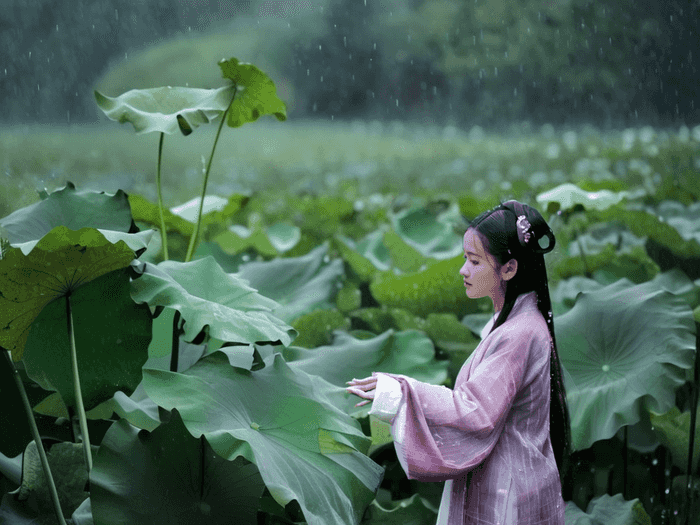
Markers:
point(524, 229)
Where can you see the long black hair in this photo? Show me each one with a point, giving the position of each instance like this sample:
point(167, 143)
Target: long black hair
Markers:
point(513, 230)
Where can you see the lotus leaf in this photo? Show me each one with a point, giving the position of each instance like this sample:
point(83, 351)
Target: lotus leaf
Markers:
point(437, 289)
point(316, 328)
point(220, 304)
point(59, 263)
point(430, 232)
point(566, 196)
point(111, 335)
point(365, 257)
point(255, 96)
point(645, 222)
point(404, 257)
point(169, 477)
point(634, 264)
point(564, 294)
point(378, 320)
point(411, 511)
point(410, 352)
point(299, 284)
point(349, 297)
point(147, 212)
point(673, 430)
point(67, 468)
point(608, 510)
point(601, 235)
point(166, 109)
point(215, 209)
point(281, 419)
point(239, 238)
point(627, 348)
point(69, 208)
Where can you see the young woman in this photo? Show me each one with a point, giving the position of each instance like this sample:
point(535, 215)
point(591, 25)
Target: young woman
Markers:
point(501, 438)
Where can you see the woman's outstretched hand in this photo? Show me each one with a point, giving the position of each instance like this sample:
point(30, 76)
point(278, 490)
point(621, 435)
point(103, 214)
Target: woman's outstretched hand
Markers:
point(363, 388)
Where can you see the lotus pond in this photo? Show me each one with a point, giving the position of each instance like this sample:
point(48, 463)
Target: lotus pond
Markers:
point(213, 382)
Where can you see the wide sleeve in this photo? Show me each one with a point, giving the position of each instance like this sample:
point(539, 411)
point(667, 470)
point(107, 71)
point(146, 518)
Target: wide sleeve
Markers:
point(449, 432)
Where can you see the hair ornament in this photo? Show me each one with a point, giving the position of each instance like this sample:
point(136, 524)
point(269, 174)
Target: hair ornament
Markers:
point(524, 230)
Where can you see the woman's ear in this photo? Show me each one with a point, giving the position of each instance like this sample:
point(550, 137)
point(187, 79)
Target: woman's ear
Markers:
point(509, 269)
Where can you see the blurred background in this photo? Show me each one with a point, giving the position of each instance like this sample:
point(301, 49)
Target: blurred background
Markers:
point(377, 90)
point(609, 63)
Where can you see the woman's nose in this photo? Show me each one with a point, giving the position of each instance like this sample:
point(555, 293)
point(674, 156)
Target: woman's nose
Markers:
point(463, 270)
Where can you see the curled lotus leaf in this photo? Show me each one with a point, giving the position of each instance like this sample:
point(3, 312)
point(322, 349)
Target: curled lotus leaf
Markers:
point(72, 209)
point(166, 109)
point(256, 94)
point(611, 510)
point(626, 350)
point(566, 196)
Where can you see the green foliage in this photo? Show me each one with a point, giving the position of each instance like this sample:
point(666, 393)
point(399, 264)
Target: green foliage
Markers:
point(166, 109)
point(316, 328)
point(304, 447)
point(608, 509)
point(211, 301)
point(613, 337)
point(255, 94)
point(73, 258)
point(111, 335)
point(191, 483)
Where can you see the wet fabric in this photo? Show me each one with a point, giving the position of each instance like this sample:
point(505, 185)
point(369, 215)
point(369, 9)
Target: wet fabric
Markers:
point(488, 439)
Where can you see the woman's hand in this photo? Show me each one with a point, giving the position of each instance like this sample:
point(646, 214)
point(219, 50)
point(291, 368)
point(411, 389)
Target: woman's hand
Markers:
point(363, 388)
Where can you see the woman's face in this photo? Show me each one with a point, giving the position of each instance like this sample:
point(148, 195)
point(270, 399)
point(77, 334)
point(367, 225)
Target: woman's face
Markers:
point(480, 271)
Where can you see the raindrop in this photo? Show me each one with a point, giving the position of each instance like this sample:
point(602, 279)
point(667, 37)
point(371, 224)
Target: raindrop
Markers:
point(321, 78)
point(345, 41)
point(655, 462)
point(319, 47)
point(397, 102)
point(307, 72)
point(375, 46)
point(30, 54)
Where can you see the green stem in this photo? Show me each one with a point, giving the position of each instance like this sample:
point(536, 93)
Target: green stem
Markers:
point(76, 384)
point(37, 440)
point(163, 231)
point(195, 233)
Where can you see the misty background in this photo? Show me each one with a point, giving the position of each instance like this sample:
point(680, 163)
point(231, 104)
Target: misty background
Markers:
point(609, 63)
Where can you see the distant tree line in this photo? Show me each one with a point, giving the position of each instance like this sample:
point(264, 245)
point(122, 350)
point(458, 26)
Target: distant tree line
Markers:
point(487, 62)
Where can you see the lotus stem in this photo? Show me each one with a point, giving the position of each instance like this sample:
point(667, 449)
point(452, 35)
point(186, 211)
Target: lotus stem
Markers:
point(195, 233)
point(76, 385)
point(37, 440)
point(163, 231)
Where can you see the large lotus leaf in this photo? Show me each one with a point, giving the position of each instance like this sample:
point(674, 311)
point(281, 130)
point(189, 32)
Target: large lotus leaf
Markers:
point(210, 300)
point(273, 240)
point(69, 208)
point(678, 283)
point(169, 477)
point(111, 337)
point(608, 510)
point(299, 284)
point(673, 430)
point(410, 353)
point(669, 226)
point(430, 231)
point(256, 95)
point(411, 511)
point(437, 289)
point(57, 264)
point(166, 109)
point(566, 196)
point(563, 296)
point(627, 348)
point(281, 419)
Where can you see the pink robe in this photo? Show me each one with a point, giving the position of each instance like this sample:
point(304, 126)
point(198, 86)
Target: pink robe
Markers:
point(489, 437)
